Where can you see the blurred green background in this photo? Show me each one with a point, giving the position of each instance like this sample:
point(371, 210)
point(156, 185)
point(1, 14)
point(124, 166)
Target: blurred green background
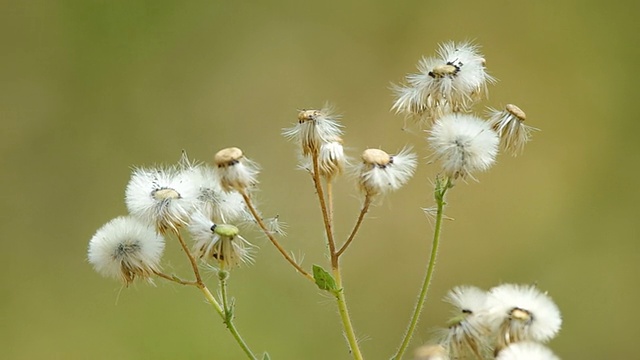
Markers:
point(90, 88)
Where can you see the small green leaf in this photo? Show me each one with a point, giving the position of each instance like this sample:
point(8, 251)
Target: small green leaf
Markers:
point(266, 356)
point(324, 280)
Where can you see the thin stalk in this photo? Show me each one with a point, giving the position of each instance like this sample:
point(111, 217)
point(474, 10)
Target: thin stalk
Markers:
point(271, 238)
point(192, 260)
point(356, 227)
point(346, 319)
point(326, 217)
point(175, 279)
point(209, 296)
point(230, 325)
point(440, 191)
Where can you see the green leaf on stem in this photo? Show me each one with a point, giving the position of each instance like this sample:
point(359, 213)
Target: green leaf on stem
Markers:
point(324, 280)
point(266, 356)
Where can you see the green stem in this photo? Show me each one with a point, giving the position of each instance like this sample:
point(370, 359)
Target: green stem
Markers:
point(346, 319)
point(440, 191)
point(226, 313)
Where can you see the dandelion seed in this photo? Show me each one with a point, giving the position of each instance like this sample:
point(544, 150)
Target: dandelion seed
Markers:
point(526, 351)
point(124, 248)
point(234, 170)
point(219, 242)
point(464, 144)
point(380, 172)
point(314, 128)
point(164, 197)
point(509, 124)
point(522, 313)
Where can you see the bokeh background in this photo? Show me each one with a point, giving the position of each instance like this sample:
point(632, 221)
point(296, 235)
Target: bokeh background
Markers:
point(90, 88)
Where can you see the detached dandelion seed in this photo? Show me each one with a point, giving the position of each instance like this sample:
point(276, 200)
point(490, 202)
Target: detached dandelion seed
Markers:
point(124, 248)
point(380, 172)
point(464, 144)
point(509, 124)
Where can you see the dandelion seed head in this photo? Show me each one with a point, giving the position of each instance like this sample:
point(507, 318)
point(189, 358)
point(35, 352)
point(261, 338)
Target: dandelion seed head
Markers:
point(163, 196)
point(522, 313)
point(464, 144)
point(125, 248)
point(380, 172)
point(234, 170)
point(526, 350)
point(314, 128)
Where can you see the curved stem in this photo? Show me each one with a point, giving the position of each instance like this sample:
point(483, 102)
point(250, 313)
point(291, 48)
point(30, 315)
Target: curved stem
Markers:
point(363, 212)
point(440, 191)
point(271, 238)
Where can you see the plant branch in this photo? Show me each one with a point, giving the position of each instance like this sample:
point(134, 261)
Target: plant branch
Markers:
point(271, 238)
point(356, 227)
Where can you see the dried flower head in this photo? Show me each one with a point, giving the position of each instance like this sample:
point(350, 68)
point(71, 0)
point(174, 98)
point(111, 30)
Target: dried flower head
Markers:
point(468, 332)
point(380, 172)
point(526, 350)
point(331, 158)
point(464, 144)
point(522, 313)
point(161, 196)
point(451, 82)
point(234, 170)
point(509, 124)
point(219, 242)
point(314, 128)
point(124, 248)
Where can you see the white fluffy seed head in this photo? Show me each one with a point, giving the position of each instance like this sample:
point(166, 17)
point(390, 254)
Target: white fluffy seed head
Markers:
point(451, 82)
point(464, 144)
point(314, 128)
point(160, 196)
point(467, 333)
point(125, 248)
point(234, 170)
point(526, 350)
point(379, 172)
point(522, 313)
point(224, 206)
point(509, 124)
